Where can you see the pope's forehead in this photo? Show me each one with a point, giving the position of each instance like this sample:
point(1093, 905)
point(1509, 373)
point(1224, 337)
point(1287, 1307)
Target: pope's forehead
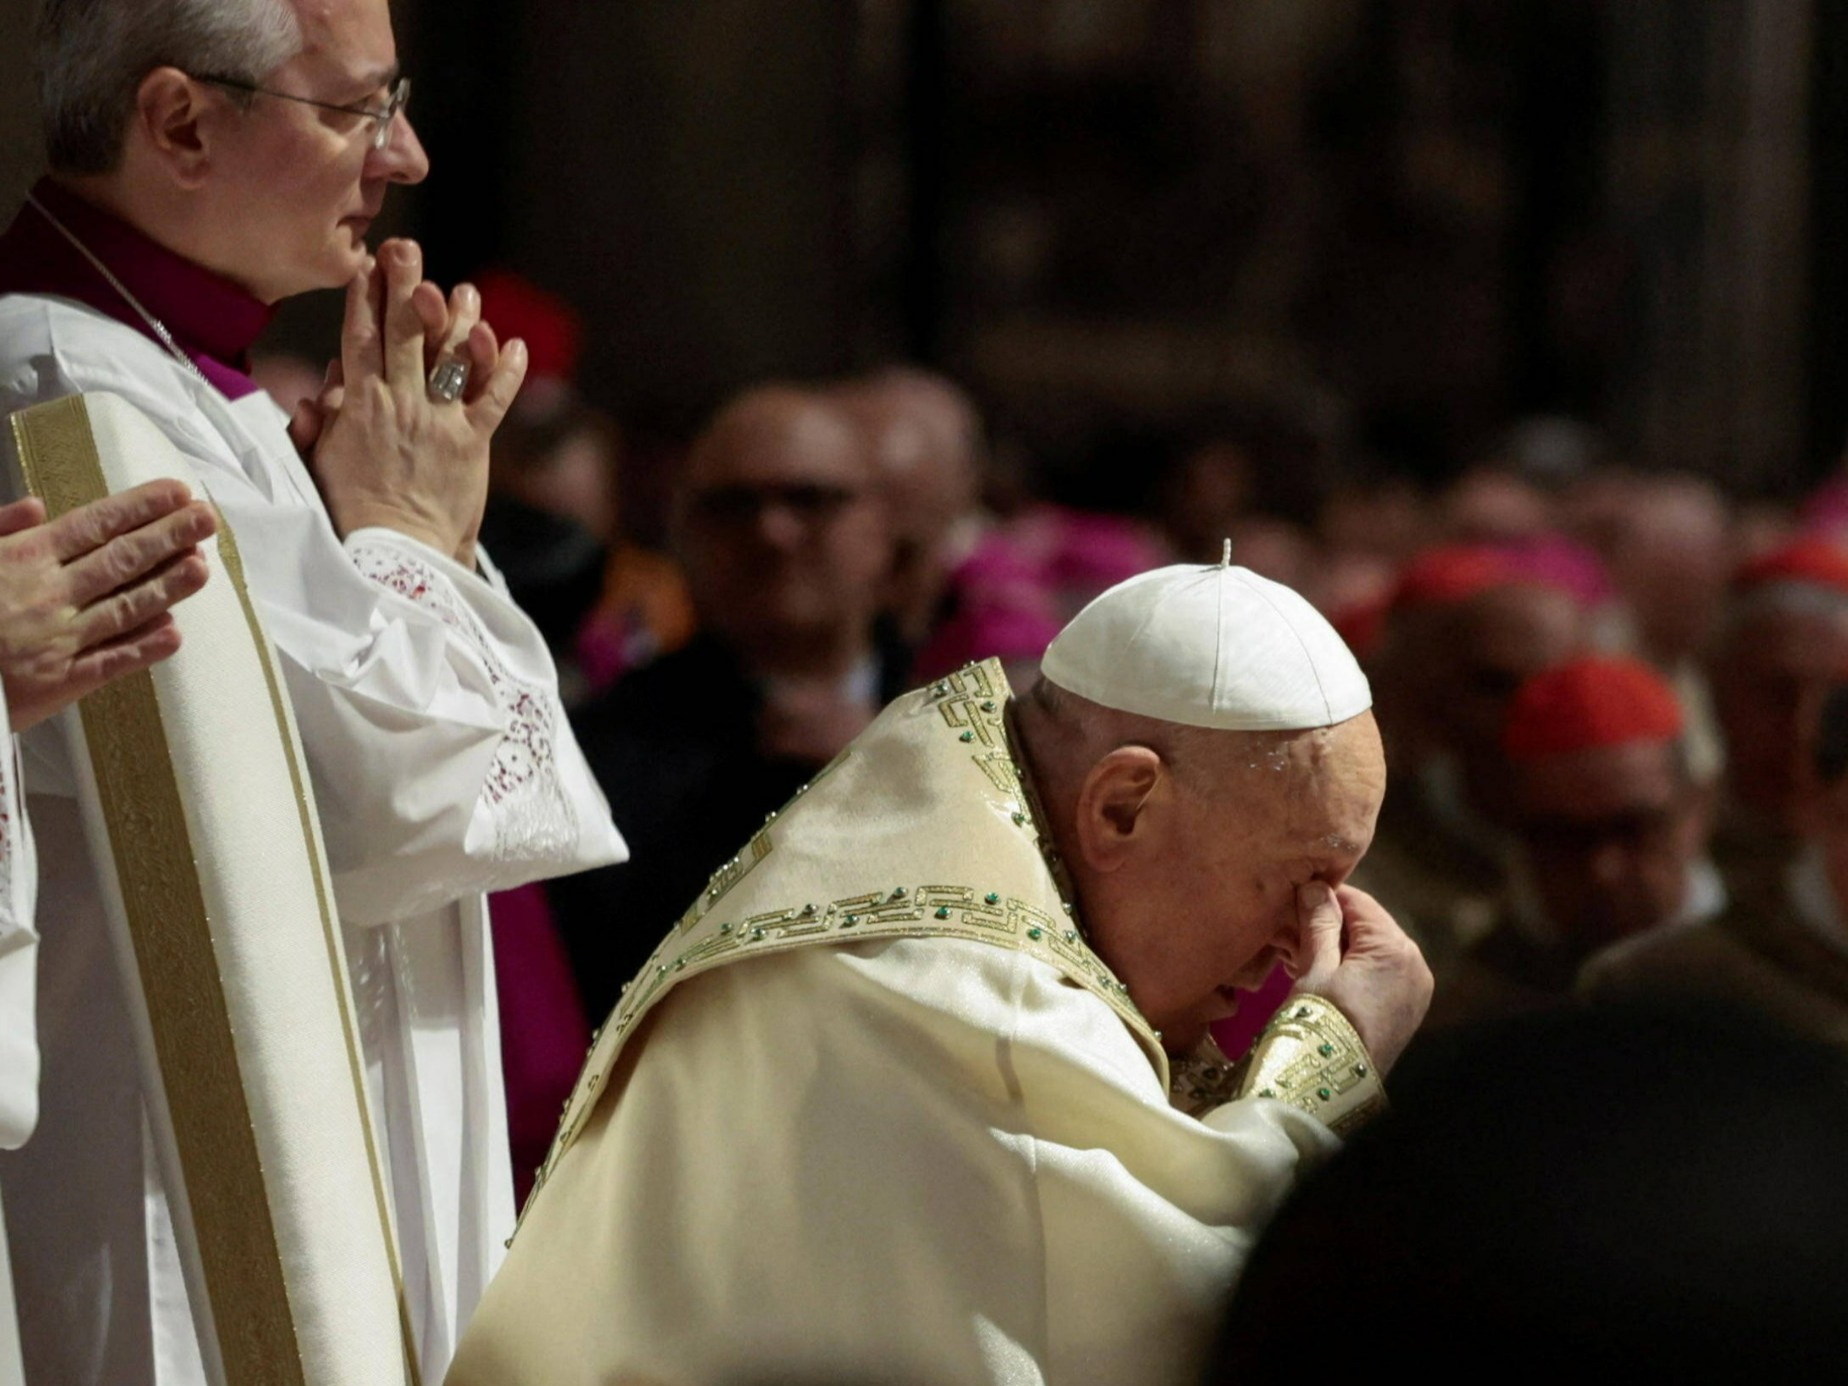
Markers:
point(1341, 778)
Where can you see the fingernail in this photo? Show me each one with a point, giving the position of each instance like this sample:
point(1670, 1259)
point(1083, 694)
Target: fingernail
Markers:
point(517, 347)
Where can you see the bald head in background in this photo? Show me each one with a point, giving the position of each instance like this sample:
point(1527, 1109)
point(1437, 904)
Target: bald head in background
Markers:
point(778, 520)
point(924, 437)
point(1667, 542)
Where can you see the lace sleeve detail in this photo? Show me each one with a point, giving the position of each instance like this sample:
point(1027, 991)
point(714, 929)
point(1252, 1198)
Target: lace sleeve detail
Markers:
point(533, 818)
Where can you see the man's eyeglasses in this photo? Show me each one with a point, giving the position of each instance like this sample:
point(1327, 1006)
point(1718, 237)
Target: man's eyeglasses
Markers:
point(811, 503)
point(381, 116)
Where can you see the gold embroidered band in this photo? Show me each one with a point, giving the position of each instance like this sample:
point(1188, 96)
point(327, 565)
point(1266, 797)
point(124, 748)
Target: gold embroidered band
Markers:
point(1311, 1057)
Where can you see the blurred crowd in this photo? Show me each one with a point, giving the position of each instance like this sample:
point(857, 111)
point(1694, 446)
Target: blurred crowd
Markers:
point(1614, 698)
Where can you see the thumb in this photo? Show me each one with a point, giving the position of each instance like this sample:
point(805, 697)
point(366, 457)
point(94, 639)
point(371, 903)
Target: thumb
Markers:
point(1318, 936)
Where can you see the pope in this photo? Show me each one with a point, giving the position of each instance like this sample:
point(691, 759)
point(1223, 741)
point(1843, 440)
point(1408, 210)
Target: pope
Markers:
point(919, 1088)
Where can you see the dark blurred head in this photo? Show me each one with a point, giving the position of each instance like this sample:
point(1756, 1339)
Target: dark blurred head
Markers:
point(780, 526)
point(1466, 631)
point(1783, 644)
point(555, 453)
point(1605, 810)
point(1829, 818)
point(1668, 544)
point(925, 440)
point(1588, 1191)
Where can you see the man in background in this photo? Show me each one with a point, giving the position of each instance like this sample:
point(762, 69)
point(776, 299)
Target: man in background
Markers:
point(1784, 955)
point(1610, 829)
point(786, 543)
point(1782, 643)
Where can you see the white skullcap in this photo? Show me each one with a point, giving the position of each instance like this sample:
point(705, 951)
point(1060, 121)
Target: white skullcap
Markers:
point(1213, 647)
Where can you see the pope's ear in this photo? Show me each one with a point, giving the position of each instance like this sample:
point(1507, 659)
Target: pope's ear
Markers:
point(171, 119)
point(1118, 804)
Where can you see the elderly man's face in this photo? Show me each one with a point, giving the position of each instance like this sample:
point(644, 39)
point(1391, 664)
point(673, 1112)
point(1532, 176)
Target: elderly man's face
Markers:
point(1610, 833)
point(1218, 895)
point(298, 186)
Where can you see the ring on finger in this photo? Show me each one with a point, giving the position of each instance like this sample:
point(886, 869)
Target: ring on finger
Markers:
point(449, 380)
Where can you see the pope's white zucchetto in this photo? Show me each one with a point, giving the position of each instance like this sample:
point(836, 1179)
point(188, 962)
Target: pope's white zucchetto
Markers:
point(1215, 647)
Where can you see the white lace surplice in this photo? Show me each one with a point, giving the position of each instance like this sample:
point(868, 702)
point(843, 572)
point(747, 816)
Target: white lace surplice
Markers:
point(443, 768)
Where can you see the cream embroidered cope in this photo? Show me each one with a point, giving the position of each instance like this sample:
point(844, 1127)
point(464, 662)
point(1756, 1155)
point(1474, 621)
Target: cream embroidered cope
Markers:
point(1036, 916)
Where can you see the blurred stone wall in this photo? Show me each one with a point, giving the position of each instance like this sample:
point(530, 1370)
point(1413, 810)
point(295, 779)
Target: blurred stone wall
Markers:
point(685, 177)
point(20, 150)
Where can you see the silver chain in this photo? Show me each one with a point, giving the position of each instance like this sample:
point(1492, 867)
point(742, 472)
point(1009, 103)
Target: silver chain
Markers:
point(155, 325)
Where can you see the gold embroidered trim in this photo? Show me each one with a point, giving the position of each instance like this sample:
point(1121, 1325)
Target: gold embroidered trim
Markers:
point(1311, 1057)
point(172, 937)
point(1204, 1079)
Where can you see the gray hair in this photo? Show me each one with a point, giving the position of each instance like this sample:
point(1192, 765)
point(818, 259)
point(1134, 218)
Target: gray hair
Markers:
point(93, 55)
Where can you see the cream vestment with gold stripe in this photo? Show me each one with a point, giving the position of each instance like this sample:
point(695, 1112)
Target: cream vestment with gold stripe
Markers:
point(921, 1135)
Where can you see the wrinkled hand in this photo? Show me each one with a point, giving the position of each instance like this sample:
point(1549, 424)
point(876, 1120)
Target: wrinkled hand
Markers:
point(1375, 975)
point(84, 598)
point(382, 451)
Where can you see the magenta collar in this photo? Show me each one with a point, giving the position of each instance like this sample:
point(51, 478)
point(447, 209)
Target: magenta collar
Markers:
point(213, 321)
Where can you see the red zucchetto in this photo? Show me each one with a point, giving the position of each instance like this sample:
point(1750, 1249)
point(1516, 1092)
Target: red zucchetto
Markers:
point(1598, 700)
point(514, 306)
point(1452, 573)
point(1815, 562)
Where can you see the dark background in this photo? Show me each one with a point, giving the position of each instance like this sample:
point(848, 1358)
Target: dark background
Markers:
point(1410, 220)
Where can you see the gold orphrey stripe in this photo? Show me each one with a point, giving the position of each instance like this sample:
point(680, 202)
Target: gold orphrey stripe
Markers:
point(330, 932)
point(172, 935)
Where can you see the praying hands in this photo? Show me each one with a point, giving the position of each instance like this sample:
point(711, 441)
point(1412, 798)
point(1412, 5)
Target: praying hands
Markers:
point(385, 448)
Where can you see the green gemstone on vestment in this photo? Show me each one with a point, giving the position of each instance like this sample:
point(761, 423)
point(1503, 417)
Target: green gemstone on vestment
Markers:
point(1325, 1050)
point(943, 912)
point(1033, 933)
point(1323, 1093)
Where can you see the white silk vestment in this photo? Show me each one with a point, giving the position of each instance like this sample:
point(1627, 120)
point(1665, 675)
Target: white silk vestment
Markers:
point(875, 1112)
point(443, 768)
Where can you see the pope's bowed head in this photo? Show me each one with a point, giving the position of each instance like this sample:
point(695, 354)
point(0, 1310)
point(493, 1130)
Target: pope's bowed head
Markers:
point(1204, 744)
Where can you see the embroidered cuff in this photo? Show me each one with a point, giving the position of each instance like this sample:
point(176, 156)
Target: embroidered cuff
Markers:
point(1312, 1058)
